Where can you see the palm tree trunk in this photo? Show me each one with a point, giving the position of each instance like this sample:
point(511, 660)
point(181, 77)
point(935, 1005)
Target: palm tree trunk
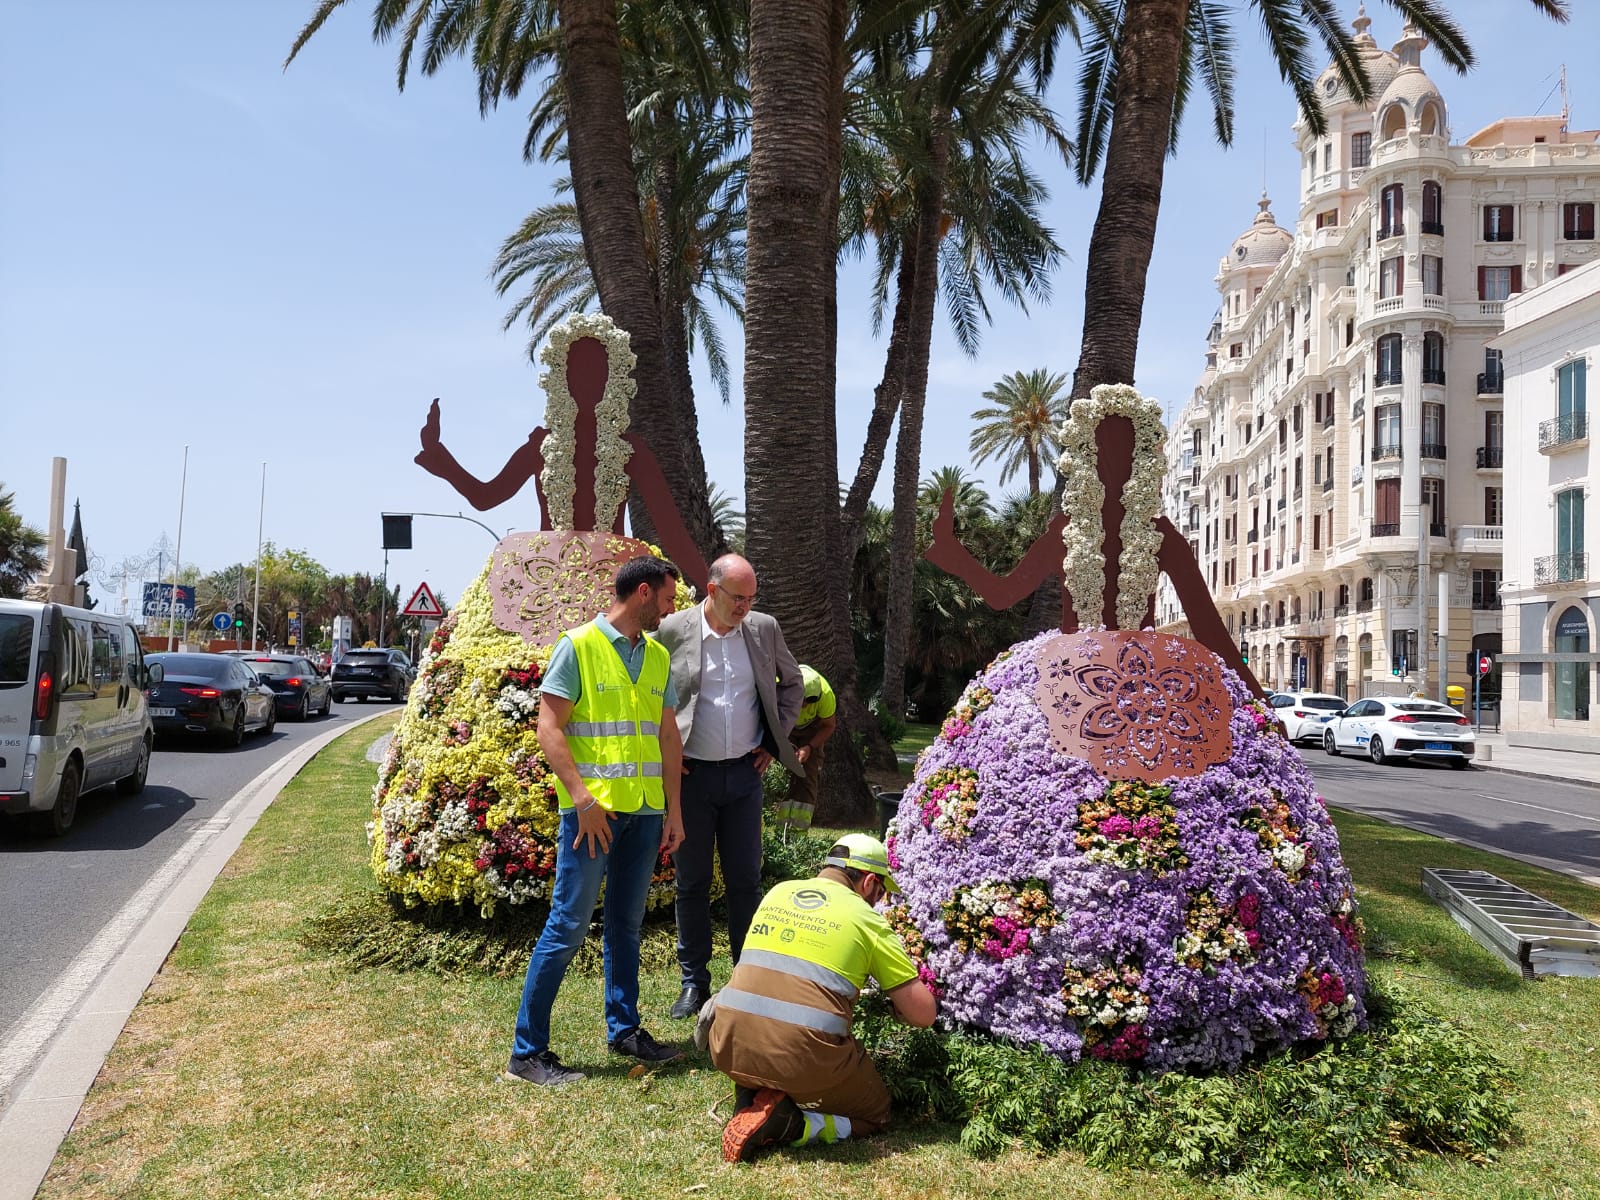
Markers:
point(1130, 193)
point(606, 191)
point(908, 441)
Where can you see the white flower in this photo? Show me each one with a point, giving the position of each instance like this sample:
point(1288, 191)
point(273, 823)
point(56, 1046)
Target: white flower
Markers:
point(559, 476)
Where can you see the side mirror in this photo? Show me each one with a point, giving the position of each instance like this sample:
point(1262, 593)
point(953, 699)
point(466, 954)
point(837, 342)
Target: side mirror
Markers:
point(154, 674)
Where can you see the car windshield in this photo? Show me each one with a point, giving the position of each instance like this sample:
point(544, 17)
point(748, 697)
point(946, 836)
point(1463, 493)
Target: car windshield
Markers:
point(16, 646)
point(1436, 709)
point(272, 668)
point(1330, 703)
point(201, 666)
point(369, 659)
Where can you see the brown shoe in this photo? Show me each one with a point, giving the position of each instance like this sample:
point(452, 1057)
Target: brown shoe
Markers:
point(771, 1120)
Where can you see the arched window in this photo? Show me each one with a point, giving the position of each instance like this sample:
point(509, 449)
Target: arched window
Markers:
point(1392, 121)
point(1364, 655)
point(1432, 118)
point(1392, 211)
point(1571, 636)
point(1432, 207)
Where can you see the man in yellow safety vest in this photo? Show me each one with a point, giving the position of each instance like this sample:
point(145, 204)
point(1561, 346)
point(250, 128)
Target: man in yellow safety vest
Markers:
point(812, 729)
point(607, 729)
point(781, 1028)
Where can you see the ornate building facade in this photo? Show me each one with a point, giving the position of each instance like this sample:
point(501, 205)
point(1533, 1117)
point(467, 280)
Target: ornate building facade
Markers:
point(1340, 468)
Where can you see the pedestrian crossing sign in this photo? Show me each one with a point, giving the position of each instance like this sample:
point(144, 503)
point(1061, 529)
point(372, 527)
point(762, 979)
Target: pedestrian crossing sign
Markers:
point(423, 603)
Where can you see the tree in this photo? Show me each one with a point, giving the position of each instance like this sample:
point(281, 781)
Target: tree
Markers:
point(21, 549)
point(1023, 426)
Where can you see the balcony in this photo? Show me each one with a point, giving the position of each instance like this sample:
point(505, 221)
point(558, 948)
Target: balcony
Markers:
point(1387, 452)
point(1194, 475)
point(1569, 430)
point(1555, 570)
point(1432, 449)
point(1341, 610)
point(1283, 503)
point(1297, 491)
point(1491, 383)
point(1327, 421)
point(1491, 308)
point(1486, 603)
point(1433, 375)
point(1327, 484)
point(1385, 232)
point(1253, 536)
point(1480, 539)
point(1357, 409)
point(1434, 227)
point(1363, 606)
point(1491, 458)
point(1253, 489)
point(1387, 305)
point(1385, 529)
point(1357, 474)
point(1438, 529)
point(1498, 235)
point(1389, 378)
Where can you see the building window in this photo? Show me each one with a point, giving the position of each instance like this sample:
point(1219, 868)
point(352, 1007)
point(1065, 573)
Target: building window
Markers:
point(1432, 358)
point(1432, 275)
point(1386, 516)
point(1499, 283)
point(1360, 149)
point(1391, 277)
point(1433, 506)
point(1392, 211)
point(1499, 222)
point(1569, 524)
point(1486, 588)
point(1432, 207)
point(1572, 678)
point(1570, 387)
point(1328, 219)
point(1316, 532)
point(1577, 222)
point(1492, 381)
point(1433, 431)
point(1386, 432)
point(1494, 506)
point(1236, 350)
point(1388, 360)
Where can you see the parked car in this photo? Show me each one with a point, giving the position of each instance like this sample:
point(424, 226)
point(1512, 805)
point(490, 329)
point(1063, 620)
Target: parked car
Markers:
point(300, 687)
point(213, 694)
point(72, 709)
point(1305, 713)
point(363, 673)
point(1393, 729)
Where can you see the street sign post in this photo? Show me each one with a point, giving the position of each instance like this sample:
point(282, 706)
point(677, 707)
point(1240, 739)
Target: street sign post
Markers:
point(423, 603)
point(222, 622)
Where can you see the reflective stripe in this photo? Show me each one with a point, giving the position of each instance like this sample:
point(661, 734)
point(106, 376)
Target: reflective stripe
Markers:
point(799, 967)
point(599, 729)
point(782, 1010)
point(623, 770)
point(648, 729)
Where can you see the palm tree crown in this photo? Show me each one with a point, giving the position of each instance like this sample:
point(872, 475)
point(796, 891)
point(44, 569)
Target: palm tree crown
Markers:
point(1022, 425)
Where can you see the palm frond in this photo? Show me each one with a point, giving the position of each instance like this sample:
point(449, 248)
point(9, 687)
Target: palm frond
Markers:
point(1097, 91)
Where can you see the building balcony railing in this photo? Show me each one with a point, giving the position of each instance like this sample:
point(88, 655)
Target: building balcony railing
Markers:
point(1283, 503)
point(1434, 227)
point(1357, 474)
point(1298, 490)
point(1363, 606)
point(1486, 603)
point(1357, 409)
point(1194, 474)
point(1387, 452)
point(1327, 421)
point(1555, 569)
point(1253, 489)
point(1432, 449)
point(1498, 235)
point(1564, 430)
point(1390, 378)
point(1433, 375)
point(1483, 538)
point(1491, 383)
point(1388, 305)
point(1491, 308)
point(1341, 610)
point(1327, 484)
point(1385, 232)
point(1491, 458)
point(1438, 529)
point(1385, 529)
point(1578, 233)
point(1253, 536)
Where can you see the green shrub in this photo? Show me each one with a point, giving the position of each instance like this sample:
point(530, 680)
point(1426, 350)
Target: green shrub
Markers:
point(792, 856)
point(1335, 1118)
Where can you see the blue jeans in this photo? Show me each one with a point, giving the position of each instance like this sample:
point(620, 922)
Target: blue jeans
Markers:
point(721, 814)
point(626, 869)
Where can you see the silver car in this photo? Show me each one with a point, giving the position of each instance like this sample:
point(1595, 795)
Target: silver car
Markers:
point(1391, 728)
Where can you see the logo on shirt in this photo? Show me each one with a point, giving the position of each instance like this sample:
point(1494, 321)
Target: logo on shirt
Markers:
point(809, 898)
point(786, 936)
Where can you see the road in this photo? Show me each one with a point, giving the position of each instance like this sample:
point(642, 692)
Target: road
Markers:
point(1545, 821)
point(58, 894)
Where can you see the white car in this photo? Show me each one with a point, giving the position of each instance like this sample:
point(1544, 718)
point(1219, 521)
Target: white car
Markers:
point(1305, 713)
point(1395, 728)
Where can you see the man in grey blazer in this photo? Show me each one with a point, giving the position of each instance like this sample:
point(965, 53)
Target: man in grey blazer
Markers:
point(739, 692)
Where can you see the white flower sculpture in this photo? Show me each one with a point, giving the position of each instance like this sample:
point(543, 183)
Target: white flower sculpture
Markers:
point(559, 477)
point(1084, 494)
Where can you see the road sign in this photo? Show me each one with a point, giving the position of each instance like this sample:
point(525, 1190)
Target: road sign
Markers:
point(423, 603)
point(1485, 664)
point(221, 622)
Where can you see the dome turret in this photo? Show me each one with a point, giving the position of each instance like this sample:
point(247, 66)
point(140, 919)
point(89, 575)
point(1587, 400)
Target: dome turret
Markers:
point(1263, 243)
point(1410, 101)
point(1382, 66)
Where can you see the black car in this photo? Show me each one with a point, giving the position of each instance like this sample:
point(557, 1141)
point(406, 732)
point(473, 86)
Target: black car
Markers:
point(363, 673)
point(210, 693)
point(300, 686)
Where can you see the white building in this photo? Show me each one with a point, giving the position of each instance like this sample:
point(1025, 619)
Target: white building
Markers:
point(1551, 591)
point(1348, 431)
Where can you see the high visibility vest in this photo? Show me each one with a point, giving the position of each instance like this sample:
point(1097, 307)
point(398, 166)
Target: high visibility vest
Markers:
point(614, 730)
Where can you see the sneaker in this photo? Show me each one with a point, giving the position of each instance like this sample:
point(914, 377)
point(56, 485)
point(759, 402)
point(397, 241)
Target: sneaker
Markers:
point(771, 1120)
point(544, 1069)
point(639, 1044)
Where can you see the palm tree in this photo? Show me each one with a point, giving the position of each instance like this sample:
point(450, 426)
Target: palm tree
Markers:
point(1023, 425)
point(21, 549)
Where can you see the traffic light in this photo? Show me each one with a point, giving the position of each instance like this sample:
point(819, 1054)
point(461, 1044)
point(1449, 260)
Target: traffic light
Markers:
point(1399, 667)
point(1244, 652)
point(238, 616)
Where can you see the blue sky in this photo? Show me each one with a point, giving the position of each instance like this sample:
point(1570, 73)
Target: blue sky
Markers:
point(284, 267)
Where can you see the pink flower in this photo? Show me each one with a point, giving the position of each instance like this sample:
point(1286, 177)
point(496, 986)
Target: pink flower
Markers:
point(1117, 826)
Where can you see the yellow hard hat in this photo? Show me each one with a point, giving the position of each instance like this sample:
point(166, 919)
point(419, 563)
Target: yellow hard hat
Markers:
point(865, 853)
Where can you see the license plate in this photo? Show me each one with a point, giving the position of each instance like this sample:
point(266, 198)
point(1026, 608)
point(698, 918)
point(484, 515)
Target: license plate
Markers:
point(163, 712)
point(1441, 745)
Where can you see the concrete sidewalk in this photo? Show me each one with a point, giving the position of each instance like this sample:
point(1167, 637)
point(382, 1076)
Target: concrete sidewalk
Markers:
point(1567, 765)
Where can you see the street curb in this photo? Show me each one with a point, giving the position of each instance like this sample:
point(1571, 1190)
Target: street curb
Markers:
point(1494, 766)
point(46, 1101)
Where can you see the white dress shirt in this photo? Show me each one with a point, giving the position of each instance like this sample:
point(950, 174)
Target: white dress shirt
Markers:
point(727, 715)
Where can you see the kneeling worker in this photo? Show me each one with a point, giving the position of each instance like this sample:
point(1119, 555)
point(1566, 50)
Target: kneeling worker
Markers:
point(781, 1028)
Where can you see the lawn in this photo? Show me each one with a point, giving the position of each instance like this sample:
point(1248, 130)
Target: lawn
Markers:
point(256, 1066)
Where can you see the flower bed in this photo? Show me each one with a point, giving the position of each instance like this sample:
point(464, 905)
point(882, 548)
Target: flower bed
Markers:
point(1184, 922)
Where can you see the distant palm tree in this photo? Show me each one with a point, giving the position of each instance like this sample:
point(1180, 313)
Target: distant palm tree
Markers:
point(728, 518)
point(21, 550)
point(1024, 424)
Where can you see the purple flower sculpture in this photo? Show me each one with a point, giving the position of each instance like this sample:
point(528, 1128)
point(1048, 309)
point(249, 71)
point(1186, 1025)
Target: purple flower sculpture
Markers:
point(1183, 920)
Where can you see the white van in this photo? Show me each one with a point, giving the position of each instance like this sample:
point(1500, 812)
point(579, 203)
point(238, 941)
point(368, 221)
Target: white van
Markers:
point(72, 709)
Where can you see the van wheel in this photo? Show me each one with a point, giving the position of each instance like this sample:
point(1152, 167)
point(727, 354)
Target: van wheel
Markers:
point(64, 811)
point(134, 784)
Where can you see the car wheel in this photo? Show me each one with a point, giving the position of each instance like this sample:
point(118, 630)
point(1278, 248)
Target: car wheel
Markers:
point(335, 697)
point(1375, 749)
point(327, 703)
point(64, 811)
point(1331, 746)
point(304, 712)
point(1460, 764)
point(235, 736)
point(272, 720)
point(134, 784)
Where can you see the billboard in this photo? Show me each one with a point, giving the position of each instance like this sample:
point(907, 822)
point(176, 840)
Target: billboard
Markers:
point(158, 603)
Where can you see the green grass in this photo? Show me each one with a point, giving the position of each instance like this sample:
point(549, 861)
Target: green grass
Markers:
point(918, 736)
point(259, 1066)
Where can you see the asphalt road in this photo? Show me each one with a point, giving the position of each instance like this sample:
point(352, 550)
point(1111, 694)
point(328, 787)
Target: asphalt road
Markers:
point(57, 894)
point(1544, 821)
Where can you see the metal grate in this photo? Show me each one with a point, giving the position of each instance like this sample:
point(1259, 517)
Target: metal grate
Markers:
point(1532, 935)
